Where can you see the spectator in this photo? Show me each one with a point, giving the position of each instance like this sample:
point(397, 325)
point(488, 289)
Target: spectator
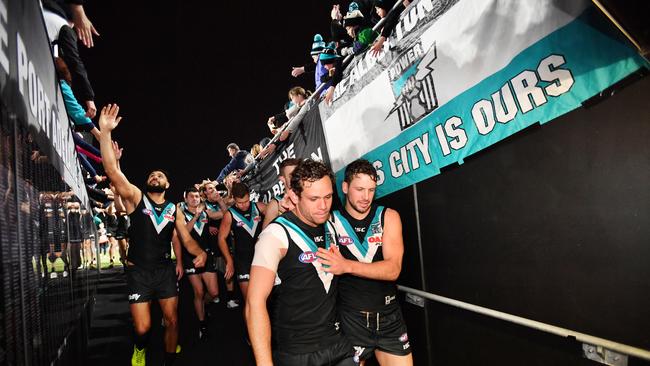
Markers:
point(255, 149)
point(61, 34)
point(355, 27)
point(75, 111)
point(316, 67)
point(298, 96)
point(384, 9)
point(237, 161)
point(73, 10)
point(332, 63)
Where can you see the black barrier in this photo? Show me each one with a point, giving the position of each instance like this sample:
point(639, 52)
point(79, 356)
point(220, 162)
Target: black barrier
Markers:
point(308, 141)
point(47, 236)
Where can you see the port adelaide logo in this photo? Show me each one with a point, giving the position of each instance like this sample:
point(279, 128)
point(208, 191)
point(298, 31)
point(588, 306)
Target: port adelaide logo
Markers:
point(411, 77)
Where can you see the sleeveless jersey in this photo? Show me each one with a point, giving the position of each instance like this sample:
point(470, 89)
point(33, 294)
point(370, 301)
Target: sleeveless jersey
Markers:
point(303, 301)
point(361, 240)
point(150, 233)
point(245, 227)
point(213, 206)
point(199, 232)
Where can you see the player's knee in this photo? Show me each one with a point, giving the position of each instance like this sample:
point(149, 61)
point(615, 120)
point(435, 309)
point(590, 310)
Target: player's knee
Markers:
point(171, 321)
point(142, 327)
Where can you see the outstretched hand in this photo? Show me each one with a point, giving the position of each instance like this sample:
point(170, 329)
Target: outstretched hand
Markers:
point(83, 26)
point(117, 150)
point(108, 119)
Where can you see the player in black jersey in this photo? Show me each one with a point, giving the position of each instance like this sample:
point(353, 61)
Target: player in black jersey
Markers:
point(215, 208)
point(281, 203)
point(369, 262)
point(150, 271)
point(244, 221)
point(195, 218)
point(302, 325)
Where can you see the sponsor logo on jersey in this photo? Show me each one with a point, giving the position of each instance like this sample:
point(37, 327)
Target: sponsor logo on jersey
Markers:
point(360, 229)
point(390, 299)
point(404, 338)
point(319, 239)
point(375, 240)
point(345, 240)
point(169, 217)
point(307, 257)
point(257, 218)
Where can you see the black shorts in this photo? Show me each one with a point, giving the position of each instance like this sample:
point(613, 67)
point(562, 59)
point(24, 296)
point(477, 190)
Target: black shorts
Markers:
point(340, 353)
point(243, 269)
point(188, 266)
point(144, 285)
point(366, 335)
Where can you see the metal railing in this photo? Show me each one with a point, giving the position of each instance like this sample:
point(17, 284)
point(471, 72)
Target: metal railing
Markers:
point(562, 332)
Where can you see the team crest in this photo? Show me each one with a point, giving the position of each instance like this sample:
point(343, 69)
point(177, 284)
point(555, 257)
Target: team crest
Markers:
point(375, 228)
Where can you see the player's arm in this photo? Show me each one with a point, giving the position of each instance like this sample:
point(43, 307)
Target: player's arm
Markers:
point(272, 211)
point(262, 207)
point(108, 121)
point(214, 214)
point(176, 245)
point(269, 250)
point(188, 242)
point(224, 231)
point(218, 215)
point(387, 269)
point(189, 225)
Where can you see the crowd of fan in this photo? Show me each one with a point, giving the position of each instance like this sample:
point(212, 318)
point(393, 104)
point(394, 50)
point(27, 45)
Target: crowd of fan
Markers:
point(351, 34)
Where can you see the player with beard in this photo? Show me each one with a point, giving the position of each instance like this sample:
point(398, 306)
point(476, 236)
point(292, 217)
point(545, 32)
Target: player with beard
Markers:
point(302, 323)
point(150, 272)
point(369, 262)
point(281, 204)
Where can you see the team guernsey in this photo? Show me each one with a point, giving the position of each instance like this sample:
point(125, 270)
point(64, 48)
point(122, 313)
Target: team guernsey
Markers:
point(214, 206)
point(304, 323)
point(201, 234)
point(152, 273)
point(361, 240)
point(245, 227)
point(370, 314)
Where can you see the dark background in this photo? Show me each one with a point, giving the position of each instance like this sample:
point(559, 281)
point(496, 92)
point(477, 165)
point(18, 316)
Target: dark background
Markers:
point(190, 78)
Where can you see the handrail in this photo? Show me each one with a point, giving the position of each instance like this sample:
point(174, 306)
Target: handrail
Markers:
point(563, 332)
point(309, 100)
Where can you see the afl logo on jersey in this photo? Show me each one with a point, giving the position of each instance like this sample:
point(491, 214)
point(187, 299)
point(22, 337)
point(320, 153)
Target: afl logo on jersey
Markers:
point(146, 211)
point(345, 240)
point(240, 223)
point(307, 257)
